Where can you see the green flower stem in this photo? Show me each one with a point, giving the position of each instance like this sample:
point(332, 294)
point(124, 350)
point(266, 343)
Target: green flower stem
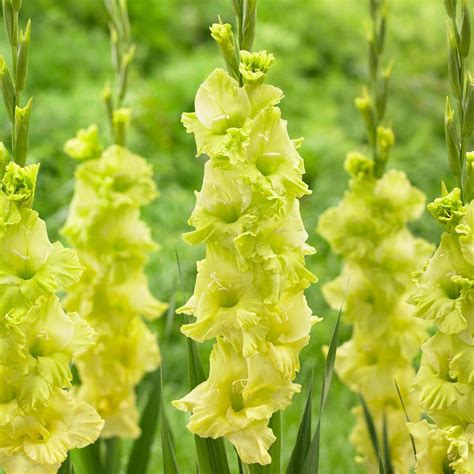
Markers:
point(123, 52)
point(13, 82)
point(373, 102)
point(445, 287)
point(460, 122)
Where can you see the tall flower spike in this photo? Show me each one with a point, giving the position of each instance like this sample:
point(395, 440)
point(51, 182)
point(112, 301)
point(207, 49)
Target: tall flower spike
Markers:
point(249, 293)
point(39, 419)
point(444, 293)
point(113, 245)
point(369, 230)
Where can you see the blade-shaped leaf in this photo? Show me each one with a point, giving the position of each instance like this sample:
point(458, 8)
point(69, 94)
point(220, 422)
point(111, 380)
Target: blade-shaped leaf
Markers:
point(169, 317)
point(141, 449)
point(113, 454)
point(303, 439)
point(413, 445)
point(66, 467)
point(87, 460)
point(211, 454)
point(170, 464)
point(386, 448)
point(369, 421)
point(311, 464)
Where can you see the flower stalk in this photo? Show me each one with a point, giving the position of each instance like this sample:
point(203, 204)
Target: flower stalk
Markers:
point(14, 81)
point(40, 422)
point(123, 53)
point(369, 230)
point(444, 293)
point(249, 293)
point(113, 244)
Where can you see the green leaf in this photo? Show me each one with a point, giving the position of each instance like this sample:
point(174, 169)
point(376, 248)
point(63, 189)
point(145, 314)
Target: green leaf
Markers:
point(66, 466)
point(170, 464)
point(386, 448)
point(141, 450)
point(87, 460)
point(113, 454)
point(406, 417)
point(372, 433)
point(303, 439)
point(170, 317)
point(311, 464)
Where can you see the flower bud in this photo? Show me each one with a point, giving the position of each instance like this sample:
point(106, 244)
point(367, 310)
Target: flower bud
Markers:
point(465, 33)
point(365, 106)
point(449, 208)
point(121, 121)
point(222, 34)
point(23, 52)
point(452, 142)
point(358, 165)
point(254, 66)
point(10, 18)
point(8, 89)
point(86, 145)
point(22, 120)
point(19, 183)
point(4, 159)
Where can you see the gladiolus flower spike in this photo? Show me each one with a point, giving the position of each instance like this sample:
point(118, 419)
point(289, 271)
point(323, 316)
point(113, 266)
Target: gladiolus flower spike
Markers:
point(249, 293)
point(369, 230)
point(113, 245)
point(40, 421)
point(444, 293)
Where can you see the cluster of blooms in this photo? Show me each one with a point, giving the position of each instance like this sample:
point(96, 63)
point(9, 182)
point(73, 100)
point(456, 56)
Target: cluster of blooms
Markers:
point(113, 243)
point(39, 420)
point(445, 295)
point(368, 229)
point(249, 292)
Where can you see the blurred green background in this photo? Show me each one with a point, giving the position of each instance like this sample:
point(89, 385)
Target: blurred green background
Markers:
point(321, 66)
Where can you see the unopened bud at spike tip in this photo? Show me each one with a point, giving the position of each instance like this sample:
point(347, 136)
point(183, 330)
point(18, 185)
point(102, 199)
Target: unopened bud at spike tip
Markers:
point(452, 142)
point(8, 89)
point(23, 56)
point(222, 34)
point(22, 119)
point(8, 19)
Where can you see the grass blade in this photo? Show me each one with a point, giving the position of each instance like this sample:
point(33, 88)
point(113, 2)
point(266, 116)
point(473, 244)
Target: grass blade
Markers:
point(369, 421)
point(311, 464)
point(303, 439)
point(169, 317)
point(211, 454)
point(413, 445)
point(141, 449)
point(386, 448)
point(170, 464)
point(113, 454)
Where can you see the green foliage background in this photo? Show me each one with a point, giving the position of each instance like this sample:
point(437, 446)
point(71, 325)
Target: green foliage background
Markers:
point(321, 64)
